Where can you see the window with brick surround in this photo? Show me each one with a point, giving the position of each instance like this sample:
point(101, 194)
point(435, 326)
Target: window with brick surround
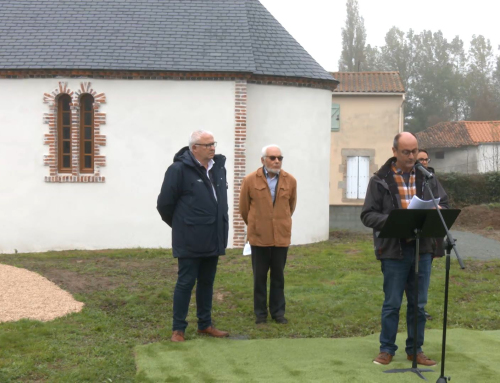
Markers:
point(64, 134)
point(87, 133)
point(74, 135)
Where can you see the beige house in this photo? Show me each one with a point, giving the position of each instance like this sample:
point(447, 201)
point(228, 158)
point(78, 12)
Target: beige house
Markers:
point(367, 112)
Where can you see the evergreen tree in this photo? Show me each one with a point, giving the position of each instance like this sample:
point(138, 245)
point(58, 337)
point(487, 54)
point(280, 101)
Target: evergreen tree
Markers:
point(353, 40)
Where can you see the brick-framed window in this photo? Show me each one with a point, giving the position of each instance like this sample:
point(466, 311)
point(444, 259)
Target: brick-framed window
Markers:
point(64, 133)
point(86, 133)
point(74, 136)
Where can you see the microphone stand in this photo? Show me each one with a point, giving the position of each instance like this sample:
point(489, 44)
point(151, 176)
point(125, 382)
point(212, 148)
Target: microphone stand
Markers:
point(450, 244)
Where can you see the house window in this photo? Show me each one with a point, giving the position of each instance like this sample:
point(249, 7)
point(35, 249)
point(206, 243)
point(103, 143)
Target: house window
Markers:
point(440, 155)
point(358, 169)
point(335, 117)
point(87, 134)
point(64, 134)
point(74, 135)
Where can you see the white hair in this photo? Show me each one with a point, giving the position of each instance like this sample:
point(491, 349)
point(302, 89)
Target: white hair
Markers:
point(264, 149)
point(195, 136)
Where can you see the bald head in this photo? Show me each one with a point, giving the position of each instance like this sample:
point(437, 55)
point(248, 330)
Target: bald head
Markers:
point(405, 149)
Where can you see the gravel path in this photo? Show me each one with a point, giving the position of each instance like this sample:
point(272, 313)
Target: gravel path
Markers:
point(473, 246)
point(25, 294)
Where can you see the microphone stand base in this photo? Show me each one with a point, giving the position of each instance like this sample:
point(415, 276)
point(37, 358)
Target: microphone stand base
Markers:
point(417, 371)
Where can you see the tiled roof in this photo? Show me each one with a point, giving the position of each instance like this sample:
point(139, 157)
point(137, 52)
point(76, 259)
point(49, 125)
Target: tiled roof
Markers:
point(369, 82)
point(159, 35)
point(459, 133)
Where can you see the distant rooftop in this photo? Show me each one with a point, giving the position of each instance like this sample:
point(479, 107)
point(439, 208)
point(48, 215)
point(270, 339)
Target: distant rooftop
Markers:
point(152, 35)
point(459, 133)
point(368, 82)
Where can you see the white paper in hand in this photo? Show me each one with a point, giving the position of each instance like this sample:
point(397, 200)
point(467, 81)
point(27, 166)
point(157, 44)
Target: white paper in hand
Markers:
point(247, 250)
point(417, 203)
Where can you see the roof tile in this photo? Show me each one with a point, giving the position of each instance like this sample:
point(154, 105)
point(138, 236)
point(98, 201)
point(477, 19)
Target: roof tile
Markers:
point(456, 134)
point(186, 34)
point(368, 82)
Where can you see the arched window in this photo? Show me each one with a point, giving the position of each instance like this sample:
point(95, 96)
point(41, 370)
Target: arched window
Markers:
point(64, 134)
point(87, 134)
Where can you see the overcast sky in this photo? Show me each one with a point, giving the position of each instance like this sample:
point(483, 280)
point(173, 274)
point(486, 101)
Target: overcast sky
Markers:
point(316, 24)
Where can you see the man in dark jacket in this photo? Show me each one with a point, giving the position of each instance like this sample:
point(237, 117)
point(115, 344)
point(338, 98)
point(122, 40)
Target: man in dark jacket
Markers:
point(392, 187)
point(193, 202)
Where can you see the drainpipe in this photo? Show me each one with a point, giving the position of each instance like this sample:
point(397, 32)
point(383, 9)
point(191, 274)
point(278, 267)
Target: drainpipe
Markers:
point(401, 117)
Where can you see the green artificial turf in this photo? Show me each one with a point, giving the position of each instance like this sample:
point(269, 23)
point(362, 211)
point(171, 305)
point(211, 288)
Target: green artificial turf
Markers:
point(472, 357)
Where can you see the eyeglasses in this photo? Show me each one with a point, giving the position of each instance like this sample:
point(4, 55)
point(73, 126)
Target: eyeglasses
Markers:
point(408, 152)
point(273, 158)
point(424, 160)
point(208, 146)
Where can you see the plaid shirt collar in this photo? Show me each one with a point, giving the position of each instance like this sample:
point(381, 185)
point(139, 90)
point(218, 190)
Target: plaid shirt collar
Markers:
point(406, 191)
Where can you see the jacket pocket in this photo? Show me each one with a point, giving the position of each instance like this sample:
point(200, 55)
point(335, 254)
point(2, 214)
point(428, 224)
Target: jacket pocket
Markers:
point(200, 234)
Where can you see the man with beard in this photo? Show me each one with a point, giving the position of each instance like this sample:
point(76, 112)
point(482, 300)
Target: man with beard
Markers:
point(267, 201)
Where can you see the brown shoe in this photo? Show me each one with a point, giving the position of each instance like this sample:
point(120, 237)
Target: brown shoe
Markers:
point(212, 331)
point(422, 359)
point(177, 336)
point(383, 358)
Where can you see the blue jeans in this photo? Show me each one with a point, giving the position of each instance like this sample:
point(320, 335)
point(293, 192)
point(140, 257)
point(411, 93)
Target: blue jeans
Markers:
point(191, 270)
point(399, 274)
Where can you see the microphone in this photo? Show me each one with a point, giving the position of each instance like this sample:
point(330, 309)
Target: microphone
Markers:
point(427, 174)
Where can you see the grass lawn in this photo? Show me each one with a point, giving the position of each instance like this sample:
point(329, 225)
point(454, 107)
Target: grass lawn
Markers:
point(333, 290)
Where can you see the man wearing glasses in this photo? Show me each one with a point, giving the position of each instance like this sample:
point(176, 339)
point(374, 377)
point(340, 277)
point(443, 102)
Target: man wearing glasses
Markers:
point(423, 158)
point(392, 187)
point(193, 202)
point(267, 201)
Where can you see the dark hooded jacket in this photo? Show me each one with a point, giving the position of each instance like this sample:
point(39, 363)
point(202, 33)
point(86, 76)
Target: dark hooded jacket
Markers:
point(382, 196)
point(187, 204)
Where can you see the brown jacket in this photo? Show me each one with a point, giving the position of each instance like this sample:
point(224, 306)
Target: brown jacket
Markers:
point(268, 225)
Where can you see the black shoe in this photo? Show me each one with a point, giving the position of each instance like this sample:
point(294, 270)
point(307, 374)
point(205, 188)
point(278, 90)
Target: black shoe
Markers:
point(260, 320)
point(281, 320)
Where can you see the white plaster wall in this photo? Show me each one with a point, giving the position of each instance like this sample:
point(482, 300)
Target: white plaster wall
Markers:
point(461, 160)
point(298, 120)
point(488, 158)
point(147, 122)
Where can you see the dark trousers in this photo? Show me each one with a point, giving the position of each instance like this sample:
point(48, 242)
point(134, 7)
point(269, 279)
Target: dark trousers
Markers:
point(263, 259)
point(191, 270)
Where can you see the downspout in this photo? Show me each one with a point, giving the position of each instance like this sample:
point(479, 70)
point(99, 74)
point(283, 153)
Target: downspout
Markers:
point(401, 116)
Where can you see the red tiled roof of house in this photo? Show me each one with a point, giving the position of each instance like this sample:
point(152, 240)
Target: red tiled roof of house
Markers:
point(455, 134)
point(369, 82)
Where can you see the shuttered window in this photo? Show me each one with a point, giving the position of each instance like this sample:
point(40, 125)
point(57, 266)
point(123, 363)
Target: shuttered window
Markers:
point(335, 117)
point(358, 169)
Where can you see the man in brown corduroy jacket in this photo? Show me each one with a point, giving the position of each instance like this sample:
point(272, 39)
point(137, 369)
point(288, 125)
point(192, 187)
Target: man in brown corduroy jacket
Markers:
point(267, 201)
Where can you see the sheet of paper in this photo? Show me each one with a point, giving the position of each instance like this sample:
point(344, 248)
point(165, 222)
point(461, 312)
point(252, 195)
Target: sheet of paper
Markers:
point(417, 203)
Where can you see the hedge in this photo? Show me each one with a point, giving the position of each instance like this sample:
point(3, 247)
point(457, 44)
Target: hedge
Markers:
point(471, 189)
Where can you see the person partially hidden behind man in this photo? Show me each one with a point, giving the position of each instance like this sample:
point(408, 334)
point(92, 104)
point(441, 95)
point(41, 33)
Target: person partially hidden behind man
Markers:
point(392, 187)
point(267, 201)
point(423, 158)
point(193, 202)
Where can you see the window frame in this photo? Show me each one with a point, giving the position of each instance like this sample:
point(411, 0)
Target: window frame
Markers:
point(372, 168)
point(60, 134)
point(82, 139)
